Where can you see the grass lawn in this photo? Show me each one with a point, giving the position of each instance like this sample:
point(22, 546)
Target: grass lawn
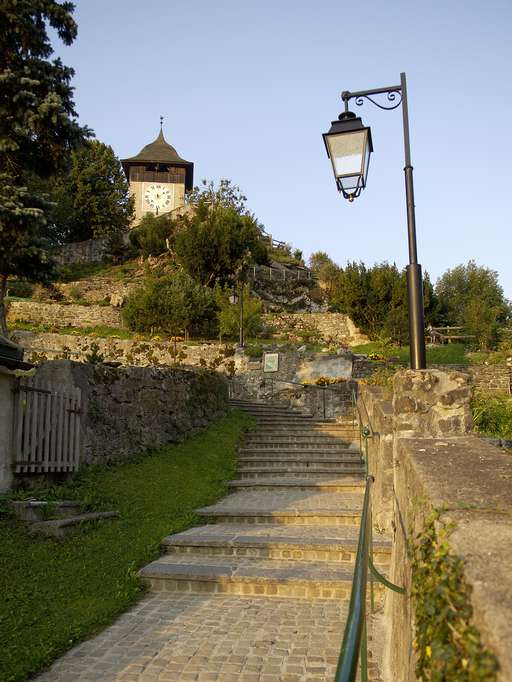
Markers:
point(57, 592)
point(448, 354)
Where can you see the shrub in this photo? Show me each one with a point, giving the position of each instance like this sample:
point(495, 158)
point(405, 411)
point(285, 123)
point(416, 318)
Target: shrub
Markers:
point(492, 415)
point(228, 314)
point(153, 234)
point(172, 303)
point(20, 288)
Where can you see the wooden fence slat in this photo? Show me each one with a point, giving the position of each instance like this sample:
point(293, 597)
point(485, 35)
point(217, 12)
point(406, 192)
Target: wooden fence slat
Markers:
point(60, 425)
point(33, 431)
point(76, 459)
point(53, 427)
point(47, 431)
point(65, 432)
point(71, 419)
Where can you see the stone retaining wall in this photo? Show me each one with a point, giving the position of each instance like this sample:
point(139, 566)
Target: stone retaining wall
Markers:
point(88, 251)
point(128, 352)
point(423, 458)
point(62, 315)
point(332, 327)
point(129, 410)
point(492, 378)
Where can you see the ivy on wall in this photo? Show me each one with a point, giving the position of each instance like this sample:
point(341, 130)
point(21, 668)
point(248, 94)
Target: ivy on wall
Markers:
point(448, 646)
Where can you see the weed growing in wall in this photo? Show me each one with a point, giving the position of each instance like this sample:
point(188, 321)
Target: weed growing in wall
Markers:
point(448, 647)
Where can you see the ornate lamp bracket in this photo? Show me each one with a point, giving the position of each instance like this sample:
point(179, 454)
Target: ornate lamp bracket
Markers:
point(393, 96)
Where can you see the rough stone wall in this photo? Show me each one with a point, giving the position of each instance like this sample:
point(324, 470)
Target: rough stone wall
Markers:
point(124, 351)
point(63, 315)
point(332, 327)
point(376, 410)
point(492, 378)
point(88, 251)
point(129, 410)
point(423, 458)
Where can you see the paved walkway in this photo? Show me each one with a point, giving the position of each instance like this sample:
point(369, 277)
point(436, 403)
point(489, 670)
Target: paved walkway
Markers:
point(262, 594)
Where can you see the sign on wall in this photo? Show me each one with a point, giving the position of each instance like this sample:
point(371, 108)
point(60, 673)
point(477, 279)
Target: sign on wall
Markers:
point(271, 362)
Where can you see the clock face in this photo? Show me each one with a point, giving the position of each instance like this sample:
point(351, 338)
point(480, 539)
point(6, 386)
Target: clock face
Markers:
point(158, 197)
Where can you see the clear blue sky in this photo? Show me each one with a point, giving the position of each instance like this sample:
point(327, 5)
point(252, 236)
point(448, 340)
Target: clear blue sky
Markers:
point(247, 88)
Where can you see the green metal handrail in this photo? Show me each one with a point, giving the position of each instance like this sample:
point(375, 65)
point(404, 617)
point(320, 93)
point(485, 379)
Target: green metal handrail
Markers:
point(354, 648)
point(355, 637)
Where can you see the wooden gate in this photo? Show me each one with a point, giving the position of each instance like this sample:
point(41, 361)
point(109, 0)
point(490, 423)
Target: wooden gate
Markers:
point(46, 428)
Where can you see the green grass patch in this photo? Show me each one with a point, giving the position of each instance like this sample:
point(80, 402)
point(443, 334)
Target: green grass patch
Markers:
point(492, 415)
point(56, 592)
point(77, 271)
point(448, 354)
point(101, 331)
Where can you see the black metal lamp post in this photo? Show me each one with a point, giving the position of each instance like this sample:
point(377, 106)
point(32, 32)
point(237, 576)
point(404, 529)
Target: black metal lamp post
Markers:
point(239, 298)
point(349, 145)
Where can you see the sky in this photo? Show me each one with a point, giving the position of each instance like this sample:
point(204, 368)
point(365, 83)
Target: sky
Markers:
point(247, 88)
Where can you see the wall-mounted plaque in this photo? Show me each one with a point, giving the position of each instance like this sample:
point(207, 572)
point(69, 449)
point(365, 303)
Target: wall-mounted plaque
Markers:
point(271, 362)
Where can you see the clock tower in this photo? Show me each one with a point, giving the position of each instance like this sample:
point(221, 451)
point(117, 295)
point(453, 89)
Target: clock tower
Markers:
point(157, 178)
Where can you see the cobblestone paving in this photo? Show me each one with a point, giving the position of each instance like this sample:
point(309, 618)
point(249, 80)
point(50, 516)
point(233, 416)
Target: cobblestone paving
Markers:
point(192, 628)
point(229, 639)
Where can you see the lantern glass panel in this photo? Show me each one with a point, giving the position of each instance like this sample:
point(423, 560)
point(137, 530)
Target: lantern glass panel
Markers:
point(348, 152)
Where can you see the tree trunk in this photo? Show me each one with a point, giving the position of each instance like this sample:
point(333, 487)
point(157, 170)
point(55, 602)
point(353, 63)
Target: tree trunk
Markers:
point(3, 321)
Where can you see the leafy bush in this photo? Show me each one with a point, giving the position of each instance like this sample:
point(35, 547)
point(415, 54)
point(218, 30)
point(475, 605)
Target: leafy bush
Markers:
point(228, 314)
point(172, 303)
point(254, 351)
point(153, 234)
point(492, 415)
point(20, 288)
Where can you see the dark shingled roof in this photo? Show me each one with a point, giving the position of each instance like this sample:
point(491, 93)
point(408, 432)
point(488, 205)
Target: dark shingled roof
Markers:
point(158, 151)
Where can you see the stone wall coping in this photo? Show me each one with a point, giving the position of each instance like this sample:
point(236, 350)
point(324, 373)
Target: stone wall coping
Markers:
point(460, 472)
point(471, 479)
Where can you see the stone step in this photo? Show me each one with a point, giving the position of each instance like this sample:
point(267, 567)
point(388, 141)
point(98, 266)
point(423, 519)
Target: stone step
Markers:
point(249, 577)
point(317, 440)
point(297, 453)
point(293, 543)
point(304, 472)
point(299, 428)
point(320, 517)
point(322, 484)
point(267, 409)
point(291, 466)
point(302, 444)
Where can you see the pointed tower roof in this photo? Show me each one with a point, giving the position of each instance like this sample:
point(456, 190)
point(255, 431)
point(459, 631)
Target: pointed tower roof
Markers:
point(160, 151)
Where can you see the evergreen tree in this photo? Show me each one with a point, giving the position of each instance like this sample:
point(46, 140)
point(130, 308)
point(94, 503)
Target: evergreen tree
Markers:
point(216, 241)
point(37, 128)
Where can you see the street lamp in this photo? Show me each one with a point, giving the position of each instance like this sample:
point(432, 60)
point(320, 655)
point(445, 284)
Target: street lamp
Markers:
point(234, 299)
point(349, 145)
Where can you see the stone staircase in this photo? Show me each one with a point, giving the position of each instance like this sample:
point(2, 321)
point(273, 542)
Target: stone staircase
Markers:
point(290, 526)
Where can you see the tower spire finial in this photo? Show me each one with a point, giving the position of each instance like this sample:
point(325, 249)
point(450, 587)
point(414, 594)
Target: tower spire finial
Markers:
point(161, 122)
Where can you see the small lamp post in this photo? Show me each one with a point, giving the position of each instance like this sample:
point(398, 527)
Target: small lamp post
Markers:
point(349, 145)
point(234, 299)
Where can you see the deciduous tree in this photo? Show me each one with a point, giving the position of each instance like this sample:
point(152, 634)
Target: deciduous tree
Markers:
point(91, 196)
